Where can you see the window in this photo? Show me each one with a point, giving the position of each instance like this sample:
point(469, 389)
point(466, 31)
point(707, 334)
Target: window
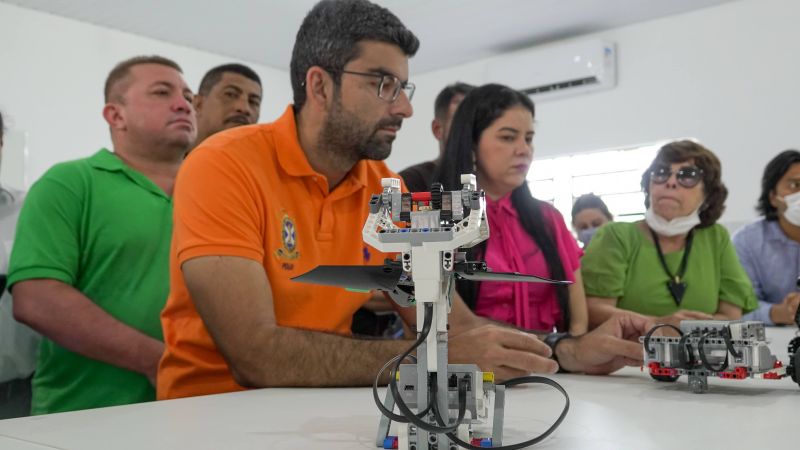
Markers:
point(614, 176)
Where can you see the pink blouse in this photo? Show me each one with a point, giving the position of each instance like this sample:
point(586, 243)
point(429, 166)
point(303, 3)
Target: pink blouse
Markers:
point(511, 249)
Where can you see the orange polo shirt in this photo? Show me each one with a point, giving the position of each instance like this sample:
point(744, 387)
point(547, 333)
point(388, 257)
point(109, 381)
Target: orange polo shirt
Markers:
point(250, 192)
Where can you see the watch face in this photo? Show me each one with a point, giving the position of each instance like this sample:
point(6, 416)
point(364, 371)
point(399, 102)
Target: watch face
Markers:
point(553, 338)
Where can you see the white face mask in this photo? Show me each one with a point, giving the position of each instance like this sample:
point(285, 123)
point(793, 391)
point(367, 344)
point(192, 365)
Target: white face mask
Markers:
point(792, 213)
point(674, 227)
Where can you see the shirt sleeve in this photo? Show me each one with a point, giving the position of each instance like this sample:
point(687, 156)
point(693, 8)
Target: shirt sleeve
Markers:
point(605, 264)
point(47, 241)
point(217, 209)
point(749, 262)
point(761, 313)
point(735, 286)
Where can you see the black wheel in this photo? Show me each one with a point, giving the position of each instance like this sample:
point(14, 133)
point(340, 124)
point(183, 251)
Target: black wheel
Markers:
point(666, 378)
point(794, 360)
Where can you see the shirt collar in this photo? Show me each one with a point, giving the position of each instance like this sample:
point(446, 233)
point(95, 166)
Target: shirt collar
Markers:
point(293, 159)
point(502, 205)
point(108, 161)
point(775, 233)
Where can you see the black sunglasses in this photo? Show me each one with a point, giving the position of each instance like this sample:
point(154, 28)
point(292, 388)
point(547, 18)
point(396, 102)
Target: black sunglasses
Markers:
point(687, 176)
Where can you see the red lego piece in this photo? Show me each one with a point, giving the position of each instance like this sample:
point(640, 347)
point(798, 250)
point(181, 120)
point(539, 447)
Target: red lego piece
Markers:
point(738, 373)
point(421, 196)
point(656, 369)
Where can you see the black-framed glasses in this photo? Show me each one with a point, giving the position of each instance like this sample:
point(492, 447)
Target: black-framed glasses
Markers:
point(687, 176)
point(390, 86)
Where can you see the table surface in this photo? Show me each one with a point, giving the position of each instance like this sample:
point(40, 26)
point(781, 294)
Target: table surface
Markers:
point(624, 410)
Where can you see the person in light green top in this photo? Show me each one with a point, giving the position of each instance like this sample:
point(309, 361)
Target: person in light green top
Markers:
point(678, 263)
point(89, 267)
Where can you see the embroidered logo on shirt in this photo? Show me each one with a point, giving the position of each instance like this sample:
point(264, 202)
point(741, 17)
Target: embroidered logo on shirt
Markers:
point(289, 238)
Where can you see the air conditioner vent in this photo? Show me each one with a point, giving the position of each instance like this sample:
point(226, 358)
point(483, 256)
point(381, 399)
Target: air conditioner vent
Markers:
point(557, 70)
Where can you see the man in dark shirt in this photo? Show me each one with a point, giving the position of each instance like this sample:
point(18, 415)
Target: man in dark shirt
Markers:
point(420, 176)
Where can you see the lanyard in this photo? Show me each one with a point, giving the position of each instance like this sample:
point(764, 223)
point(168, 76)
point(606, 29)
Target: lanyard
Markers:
point(676, 285)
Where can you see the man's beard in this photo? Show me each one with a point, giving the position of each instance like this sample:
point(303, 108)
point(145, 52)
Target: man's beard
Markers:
point(349, 139)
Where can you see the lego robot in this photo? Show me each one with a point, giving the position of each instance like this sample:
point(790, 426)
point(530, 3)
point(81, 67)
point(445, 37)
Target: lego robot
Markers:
point(728, 350)
point(441, 405)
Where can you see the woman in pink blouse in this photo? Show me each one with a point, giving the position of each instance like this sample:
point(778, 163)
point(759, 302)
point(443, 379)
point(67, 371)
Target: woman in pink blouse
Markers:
point(492, 136)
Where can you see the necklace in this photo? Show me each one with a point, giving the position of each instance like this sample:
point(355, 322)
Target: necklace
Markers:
point(675, 285)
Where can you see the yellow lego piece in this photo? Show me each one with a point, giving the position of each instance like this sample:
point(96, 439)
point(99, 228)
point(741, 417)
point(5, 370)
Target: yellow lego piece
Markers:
point(488, 377)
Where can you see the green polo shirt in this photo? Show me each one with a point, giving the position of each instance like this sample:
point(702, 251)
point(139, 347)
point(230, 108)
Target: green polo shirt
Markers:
point(105, 229)
point(622, 263)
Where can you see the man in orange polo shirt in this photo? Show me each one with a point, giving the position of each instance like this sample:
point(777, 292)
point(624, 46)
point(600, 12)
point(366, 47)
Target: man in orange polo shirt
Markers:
point(257, 205)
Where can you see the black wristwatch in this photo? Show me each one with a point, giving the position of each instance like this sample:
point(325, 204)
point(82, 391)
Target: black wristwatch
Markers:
point(552, 341)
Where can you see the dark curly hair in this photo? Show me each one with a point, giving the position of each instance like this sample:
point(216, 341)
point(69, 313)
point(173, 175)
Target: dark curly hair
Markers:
point(329, 37)
point(705, 159)
point(773, 173)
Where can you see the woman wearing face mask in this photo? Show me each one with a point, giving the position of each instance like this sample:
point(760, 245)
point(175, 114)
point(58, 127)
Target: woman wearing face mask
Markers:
point(491, 135)
point(589, 213)
point(678, 263)
point(770, 248)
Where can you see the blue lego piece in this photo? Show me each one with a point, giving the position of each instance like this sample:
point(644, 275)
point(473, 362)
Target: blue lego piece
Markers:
point(390, 442)
point(486, 443)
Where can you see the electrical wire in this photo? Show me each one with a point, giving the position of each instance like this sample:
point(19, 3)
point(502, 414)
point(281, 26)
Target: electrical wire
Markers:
point(532, 379)
point(401, 404)
point(450, 430)
point(701, 351)
point(649, 334)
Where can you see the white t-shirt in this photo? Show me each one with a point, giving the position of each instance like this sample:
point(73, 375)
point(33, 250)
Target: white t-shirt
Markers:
point(18, 343)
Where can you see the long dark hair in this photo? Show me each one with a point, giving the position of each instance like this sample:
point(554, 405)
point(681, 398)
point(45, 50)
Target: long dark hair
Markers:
point(479, 109)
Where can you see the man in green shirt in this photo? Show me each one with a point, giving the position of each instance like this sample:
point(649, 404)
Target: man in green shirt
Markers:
point(89, 269)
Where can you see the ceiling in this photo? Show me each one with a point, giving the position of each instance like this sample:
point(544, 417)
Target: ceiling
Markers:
point(451, 31)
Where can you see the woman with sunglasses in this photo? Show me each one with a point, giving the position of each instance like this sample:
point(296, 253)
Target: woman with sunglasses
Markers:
point(678, 263)
point(491, 135)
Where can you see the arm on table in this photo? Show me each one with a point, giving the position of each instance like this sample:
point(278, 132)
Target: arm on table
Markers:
point(607, 348)
point(603, 309)
point(506, 351)
point(234, 298)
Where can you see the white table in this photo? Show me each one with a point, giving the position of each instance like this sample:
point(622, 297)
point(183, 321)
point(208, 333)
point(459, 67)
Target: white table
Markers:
point(626, 410)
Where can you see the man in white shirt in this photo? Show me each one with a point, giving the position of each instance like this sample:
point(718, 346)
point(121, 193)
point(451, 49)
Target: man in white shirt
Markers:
point(18, 343)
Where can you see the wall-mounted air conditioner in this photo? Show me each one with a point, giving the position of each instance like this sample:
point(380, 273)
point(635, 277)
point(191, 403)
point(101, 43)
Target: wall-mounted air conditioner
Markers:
point(557, 70)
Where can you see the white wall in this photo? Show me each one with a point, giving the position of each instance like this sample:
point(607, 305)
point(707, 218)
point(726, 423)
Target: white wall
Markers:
point(728, 76)
point(52, 72)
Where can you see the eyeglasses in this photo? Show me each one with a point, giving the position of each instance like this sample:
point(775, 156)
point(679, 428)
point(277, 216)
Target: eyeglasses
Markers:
point(687, 176)
point(390, 86)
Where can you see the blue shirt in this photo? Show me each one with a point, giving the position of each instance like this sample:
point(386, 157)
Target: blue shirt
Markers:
point(772, 261)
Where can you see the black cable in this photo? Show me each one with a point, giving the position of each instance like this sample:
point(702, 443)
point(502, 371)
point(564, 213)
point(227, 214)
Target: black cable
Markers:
point(532, 379)
point(391, 415)
point(726, 335)
point(449, 431)
point(685, 352)
point(386, 412)
point(408, 415)
point(702, 352)
point(462, 403)
point(652, 330)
